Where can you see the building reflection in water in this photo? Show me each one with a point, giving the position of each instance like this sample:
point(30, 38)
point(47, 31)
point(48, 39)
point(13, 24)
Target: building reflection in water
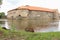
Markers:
point(6, 25)
point(36, 24)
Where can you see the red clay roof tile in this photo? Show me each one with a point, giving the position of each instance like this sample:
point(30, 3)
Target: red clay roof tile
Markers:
point(36, 8)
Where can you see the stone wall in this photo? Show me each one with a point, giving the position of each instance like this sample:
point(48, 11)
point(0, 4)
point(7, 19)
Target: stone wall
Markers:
point(40, 18)
point(56, 15)
point(17, 13)
point(46, 16)
point(40, 15)
point(11, 14)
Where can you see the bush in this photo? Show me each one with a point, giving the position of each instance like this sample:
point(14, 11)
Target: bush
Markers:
point(22, 35)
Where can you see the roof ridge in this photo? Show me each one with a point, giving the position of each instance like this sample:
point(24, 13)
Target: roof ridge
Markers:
point(35, 8)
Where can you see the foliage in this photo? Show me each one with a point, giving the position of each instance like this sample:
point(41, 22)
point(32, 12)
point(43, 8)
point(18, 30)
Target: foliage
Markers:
point(0, 2)
point(2, 14)
point(22, 35)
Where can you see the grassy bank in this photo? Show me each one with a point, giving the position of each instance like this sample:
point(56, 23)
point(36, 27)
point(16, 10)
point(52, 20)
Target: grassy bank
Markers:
point(22, 35)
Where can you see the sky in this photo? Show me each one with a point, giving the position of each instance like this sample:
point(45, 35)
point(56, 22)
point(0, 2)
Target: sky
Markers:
point(12, 4)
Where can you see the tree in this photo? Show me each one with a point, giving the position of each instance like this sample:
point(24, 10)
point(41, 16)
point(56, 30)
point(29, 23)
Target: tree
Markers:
point(2, 15)
point(0, 3)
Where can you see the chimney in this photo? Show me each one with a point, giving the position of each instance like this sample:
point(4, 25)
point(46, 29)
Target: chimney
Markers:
point(27, 5)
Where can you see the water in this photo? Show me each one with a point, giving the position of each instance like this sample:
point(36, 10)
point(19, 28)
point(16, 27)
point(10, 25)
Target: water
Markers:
point(35, 24)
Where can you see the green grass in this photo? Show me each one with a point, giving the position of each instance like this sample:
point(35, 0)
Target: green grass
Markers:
point(22, 35)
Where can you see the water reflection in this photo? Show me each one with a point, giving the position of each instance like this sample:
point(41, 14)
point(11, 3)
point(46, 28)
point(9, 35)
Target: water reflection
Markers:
point(50, 28)
point(4, 23)
point(36, 24)
point(59, 26)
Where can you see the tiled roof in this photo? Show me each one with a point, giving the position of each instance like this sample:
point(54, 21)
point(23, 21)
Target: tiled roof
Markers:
point(36, 8)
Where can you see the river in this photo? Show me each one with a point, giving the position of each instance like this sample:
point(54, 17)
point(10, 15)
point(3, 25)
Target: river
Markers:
point(36, 25)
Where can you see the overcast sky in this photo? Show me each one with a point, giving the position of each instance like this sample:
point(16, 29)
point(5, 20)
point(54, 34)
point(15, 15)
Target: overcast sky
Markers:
point(11, 4)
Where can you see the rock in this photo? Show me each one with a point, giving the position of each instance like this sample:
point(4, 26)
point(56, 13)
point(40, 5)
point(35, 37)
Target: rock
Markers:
point(29, 29)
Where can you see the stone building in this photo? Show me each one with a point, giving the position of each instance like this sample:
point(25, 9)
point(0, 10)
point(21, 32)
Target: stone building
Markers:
point(32, 12)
